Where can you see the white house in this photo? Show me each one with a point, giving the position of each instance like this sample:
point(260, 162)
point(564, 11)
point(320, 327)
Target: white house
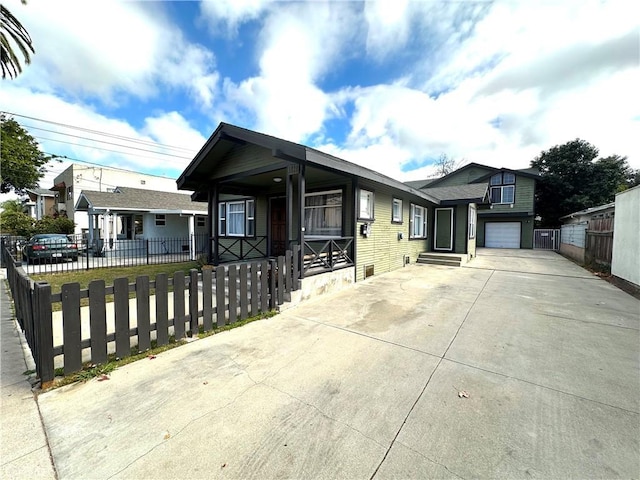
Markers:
point(78, 177)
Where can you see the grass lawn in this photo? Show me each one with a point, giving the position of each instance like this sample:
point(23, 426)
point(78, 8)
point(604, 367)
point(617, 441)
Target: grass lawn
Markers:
point(84, 277)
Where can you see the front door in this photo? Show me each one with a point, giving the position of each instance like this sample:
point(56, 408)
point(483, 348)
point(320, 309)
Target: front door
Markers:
point(443, 236)
point(278, 241)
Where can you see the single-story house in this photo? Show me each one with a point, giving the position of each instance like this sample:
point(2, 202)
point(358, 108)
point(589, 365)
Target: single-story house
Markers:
point(266, 195)
point(40, 203)
point(126, 215)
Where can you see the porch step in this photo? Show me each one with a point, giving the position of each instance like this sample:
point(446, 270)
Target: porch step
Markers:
point(439, 259)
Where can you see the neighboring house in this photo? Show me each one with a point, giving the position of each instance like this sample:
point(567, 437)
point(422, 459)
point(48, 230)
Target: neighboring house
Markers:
point(507, 219)
point(266, 195)
point(40, 202)
point(76, 178)
point(575, 225)
point(625, 261)
point(131, 214)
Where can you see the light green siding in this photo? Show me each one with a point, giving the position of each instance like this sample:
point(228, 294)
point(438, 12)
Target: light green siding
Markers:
point(525, 189)
point(383, 248)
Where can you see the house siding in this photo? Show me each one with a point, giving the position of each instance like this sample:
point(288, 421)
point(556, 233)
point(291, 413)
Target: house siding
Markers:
point(462, 178)
point(525, 190)
point(241, 159)
point(382, 248)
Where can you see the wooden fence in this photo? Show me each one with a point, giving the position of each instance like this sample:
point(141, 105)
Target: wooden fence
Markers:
point(201, 301)
point(599, 243)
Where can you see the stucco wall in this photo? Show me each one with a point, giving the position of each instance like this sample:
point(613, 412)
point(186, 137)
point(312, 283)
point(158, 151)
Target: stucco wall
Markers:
point(626, 237)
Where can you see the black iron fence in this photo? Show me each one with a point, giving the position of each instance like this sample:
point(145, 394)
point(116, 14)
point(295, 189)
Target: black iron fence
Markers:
point(107, 253)
point(87, 327)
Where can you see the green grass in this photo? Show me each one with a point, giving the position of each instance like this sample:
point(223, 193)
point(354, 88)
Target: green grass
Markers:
point(84, 277)
point(90, 371)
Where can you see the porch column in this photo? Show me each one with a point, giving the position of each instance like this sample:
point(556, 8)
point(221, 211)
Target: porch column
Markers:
point(291, 171)
point(105, 229)
point(192, 237)
point(114, 231)
point(301, 193)
point(92, 219)
point(214, 197)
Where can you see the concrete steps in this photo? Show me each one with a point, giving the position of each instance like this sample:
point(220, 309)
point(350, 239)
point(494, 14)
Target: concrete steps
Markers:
point(447, 259)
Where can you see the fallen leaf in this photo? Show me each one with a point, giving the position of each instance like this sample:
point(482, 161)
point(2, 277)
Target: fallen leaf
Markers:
point(223, 465)
point(205, 383)
point(151, 357)
point(463, 394)
point(103, 377)
point(167, 436)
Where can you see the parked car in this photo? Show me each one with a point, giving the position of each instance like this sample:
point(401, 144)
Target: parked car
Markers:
point(50, 247)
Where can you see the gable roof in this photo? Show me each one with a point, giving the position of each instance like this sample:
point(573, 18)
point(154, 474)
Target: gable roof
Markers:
point(469, 193)
point(461, 169)
point(141, 200)
point(193, 177)
point(44, 192)
point(523, 173)
point(420, 183)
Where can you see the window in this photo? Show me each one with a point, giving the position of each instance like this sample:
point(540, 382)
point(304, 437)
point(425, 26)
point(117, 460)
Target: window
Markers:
point(161, 220)
point(396, 211)
point(236, 218)
point(472, 221)
point(503, 188)
point(69, 193)
point(138, 224)
point(365, 205)
point(201, 221)
point(504, 194)
point(323, 214)
point(418, 228)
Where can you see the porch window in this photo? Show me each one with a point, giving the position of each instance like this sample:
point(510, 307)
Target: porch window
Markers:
point(396, 213)
point(323, 214)
point(365, 205)
point(236, 219)
point(418, 219)
point(472, 221)
point(161, 220)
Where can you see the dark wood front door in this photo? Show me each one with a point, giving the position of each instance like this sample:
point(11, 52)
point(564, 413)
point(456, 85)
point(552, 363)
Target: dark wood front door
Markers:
point(278, 226)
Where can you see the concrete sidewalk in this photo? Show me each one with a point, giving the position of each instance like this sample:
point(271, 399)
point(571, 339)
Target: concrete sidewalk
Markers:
point(24, 452)
point(366, 383)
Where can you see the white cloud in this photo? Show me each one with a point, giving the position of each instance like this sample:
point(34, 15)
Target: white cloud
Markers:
point(109, 50)
point(300, 43)
point(231, 12)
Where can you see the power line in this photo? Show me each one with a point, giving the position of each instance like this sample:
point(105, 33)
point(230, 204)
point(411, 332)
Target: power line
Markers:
point(98, 132)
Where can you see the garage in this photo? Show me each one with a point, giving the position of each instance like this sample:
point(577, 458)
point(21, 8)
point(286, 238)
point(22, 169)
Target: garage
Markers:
point(502, 235)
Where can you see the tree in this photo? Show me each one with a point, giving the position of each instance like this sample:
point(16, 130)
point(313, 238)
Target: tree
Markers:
point(23, 164)
point(446, 164)
point(19, 35)
point(573, 178)
point(13, 219)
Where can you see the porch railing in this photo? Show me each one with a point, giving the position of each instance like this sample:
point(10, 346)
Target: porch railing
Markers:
point(232, 249)
point(321, 255)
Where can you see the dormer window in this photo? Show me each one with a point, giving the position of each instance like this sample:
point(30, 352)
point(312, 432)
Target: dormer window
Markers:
point(503, 189)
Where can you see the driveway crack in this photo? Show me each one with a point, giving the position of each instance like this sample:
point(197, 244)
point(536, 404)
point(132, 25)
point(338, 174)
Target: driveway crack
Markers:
point(431, 460)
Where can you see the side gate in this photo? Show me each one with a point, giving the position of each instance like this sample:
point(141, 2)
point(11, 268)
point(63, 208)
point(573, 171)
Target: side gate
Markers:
point(546, 239)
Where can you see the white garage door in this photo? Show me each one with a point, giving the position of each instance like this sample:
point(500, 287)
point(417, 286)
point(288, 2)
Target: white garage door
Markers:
point(502, 235)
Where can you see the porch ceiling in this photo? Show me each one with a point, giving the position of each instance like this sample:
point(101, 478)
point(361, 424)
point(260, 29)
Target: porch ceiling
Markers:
point(264, 182)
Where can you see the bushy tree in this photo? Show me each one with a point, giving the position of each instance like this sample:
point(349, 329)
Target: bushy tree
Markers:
point(13, 219)
point(573, 178)
point(23, 164)
point(50, 224)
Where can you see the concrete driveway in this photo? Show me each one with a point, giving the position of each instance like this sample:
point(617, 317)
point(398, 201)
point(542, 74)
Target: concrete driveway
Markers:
point(365, 384)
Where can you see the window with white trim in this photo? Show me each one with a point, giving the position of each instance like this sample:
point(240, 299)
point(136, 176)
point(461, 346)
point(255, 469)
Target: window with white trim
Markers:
point(161, 220)
point(236, 218)
point(396, 211)
point(323, 214)
point(365, 205)
point(503, 189)
point(472, 221)
point(418, 227)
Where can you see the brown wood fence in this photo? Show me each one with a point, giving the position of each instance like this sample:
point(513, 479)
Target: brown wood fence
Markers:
point(599, 242)
point(227, 294)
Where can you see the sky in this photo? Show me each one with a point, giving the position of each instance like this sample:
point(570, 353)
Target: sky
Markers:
point(389, 85)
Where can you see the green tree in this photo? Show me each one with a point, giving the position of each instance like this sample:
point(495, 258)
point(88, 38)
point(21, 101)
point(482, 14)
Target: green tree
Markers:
point(13, 32)
point(50, 224)
point(13, 219)
point(573, 178)
point(23, 164)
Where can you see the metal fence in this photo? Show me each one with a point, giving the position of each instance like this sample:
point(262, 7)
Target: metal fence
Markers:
point(112, 253)
point(179, 305)
point(546, 239)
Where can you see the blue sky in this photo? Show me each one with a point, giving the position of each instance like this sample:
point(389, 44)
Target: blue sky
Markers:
point(390, 85)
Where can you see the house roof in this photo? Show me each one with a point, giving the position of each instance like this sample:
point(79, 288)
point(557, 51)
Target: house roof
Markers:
point(45, 192)
point(470, 193)
point(420, 183)
point(194, 176)
point(589, 211)
point(138, 199)
point(526, 172)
